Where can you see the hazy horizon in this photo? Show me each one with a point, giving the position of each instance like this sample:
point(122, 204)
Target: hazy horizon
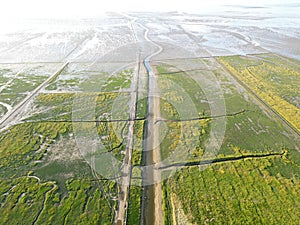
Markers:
point(17, 9)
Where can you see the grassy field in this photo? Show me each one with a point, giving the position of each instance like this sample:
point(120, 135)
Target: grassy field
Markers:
point(260, 132)
point(274, 79)
point(233, 190)
point(243, 192)
point(43, 186)
point(134, 208)
point(44, 178)
point(174, 92)
point(180, 140)
point(59, 106)
point(253, 179)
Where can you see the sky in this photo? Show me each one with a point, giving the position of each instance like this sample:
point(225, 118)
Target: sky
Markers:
point(14, 9)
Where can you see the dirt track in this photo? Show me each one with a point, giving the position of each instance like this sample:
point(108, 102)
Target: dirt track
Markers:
point(152, 212)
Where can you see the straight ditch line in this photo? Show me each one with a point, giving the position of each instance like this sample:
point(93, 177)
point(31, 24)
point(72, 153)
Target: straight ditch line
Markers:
point(219, 160)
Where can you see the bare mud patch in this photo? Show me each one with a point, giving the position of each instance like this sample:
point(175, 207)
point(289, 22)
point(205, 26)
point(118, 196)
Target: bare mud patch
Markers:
point(63, 150)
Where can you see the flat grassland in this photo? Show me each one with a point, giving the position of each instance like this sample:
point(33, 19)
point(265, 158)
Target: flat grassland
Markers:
point(274, 79)
point(45, 178)
point(52, 184)
point(255, 177)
